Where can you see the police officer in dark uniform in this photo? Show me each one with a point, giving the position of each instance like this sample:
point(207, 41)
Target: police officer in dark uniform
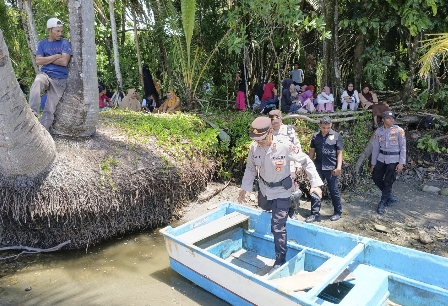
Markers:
point(388, 158)
point(269, 161)
point(327, 146)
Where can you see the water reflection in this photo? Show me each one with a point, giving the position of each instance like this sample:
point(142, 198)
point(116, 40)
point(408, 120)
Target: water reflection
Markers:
point(132, 270)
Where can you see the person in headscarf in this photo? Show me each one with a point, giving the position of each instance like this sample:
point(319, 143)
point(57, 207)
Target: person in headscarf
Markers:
point(258, 95)
point(325, 101)
point(350, 97)
point(171, 105)
point(368, 97)
point(150, 86)
point(131, 101)
point(269, 100)
point(306, 102)
point(286, 100)
point(240, 103)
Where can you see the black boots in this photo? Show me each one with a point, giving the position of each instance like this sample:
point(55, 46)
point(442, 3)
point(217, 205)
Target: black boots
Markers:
point(381, 207)
point(279, 260)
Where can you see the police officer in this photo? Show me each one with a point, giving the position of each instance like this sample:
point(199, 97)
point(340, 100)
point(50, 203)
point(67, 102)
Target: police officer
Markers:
point(327, 146)
point(287, 133)
point(283, 130)
point(269, 161)
point(388, 158)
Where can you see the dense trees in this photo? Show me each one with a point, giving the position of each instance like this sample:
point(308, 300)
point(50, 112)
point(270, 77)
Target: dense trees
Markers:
point(333, 40)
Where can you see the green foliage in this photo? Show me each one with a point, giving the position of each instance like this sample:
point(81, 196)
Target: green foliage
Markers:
point(180, 134)
point(358, 135)
point(105, 168)
point(430, 145)
point(429, 98)
point(375, 69)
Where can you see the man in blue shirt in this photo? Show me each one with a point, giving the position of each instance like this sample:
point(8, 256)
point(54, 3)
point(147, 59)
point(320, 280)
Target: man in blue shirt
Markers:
point(327, 145)
point(53, 54)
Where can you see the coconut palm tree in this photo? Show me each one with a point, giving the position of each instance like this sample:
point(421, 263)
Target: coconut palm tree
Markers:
point(26, 148)
point(437, 49)
point(30, 29)
point(115, 44)
point(77, 112)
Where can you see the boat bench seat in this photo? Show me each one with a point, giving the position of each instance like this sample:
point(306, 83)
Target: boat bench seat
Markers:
point(227, 222)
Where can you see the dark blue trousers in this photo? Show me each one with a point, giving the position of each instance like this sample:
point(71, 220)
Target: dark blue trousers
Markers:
point(384, 176)
point(279, 216)
point(332, 182)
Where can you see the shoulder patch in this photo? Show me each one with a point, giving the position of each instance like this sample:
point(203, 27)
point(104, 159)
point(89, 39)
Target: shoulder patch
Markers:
point(402, 133)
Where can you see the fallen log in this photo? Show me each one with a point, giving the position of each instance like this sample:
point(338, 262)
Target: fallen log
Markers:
point(317, 120)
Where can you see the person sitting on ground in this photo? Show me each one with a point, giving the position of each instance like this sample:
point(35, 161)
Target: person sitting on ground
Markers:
point(350, 97)
point(306, 103)
point(131, 101)
point(325, 101)
point(151, 87)
point(368, 97)
point(286, 99)
point(171, 104)
point(259, 90)
point(269, 100)
point(103, 99)
point(148, 105)
point(377, 111)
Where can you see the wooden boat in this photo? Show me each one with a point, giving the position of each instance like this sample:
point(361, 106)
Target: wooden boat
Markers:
point(230, 252)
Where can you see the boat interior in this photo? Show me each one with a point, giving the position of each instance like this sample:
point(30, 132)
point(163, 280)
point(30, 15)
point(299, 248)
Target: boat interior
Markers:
point(323, 265)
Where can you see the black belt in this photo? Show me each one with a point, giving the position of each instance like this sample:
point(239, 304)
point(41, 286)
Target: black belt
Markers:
point(272, 185)
point(389, 153)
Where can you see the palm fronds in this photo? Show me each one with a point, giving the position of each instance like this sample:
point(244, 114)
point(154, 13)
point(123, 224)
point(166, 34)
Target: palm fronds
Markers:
point(188, 8)
point(437, 50)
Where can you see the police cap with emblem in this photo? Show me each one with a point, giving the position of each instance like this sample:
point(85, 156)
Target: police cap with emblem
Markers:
point(387, 114)
point(260, 128)
point(275, 115)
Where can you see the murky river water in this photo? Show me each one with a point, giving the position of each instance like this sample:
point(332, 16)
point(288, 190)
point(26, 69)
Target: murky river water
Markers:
point(132, 270)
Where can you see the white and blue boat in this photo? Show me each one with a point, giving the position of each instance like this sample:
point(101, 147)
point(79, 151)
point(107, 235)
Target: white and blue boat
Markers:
point(230, 253)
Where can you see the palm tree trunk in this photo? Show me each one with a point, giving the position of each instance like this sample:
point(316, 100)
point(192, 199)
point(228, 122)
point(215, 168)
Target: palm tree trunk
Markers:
point(412, 55)
point(26, 148)
point(115, 45)
point(29, 27)
point(137, 46)
point(77, 112)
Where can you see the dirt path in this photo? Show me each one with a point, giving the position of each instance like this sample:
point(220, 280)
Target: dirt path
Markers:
point(416, 212)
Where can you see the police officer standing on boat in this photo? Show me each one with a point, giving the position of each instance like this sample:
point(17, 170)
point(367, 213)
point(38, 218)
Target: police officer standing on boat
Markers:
point(269, 161)
point(287, 133)
point(388, 158)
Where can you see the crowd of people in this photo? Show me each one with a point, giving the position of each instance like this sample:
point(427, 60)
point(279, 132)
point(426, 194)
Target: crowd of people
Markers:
point(153, 101)
point(298, 98)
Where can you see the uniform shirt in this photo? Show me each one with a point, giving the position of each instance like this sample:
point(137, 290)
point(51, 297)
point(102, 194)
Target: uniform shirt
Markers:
point(47, 48)
point(389, 140)
point(326, 149)
point(273, 165)
point(287, 133)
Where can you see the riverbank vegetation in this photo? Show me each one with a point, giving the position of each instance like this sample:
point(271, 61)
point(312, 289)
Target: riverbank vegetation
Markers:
point(117, 171)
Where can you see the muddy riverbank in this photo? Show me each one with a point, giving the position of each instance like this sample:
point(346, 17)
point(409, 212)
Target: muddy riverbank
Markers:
point(134, 269)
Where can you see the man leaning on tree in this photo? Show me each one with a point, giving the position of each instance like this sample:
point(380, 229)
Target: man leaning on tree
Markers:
point(53, 54)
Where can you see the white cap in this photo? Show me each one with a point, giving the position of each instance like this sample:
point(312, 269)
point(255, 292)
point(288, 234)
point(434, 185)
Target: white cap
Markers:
point(53, 23)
